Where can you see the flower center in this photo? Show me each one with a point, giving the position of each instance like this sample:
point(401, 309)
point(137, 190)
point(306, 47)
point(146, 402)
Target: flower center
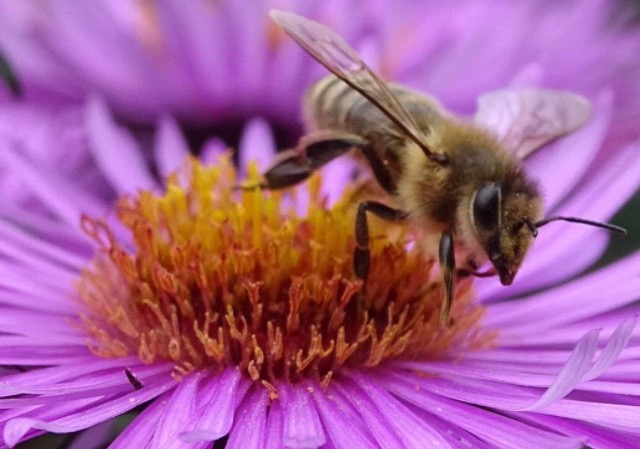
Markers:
point(208, 277)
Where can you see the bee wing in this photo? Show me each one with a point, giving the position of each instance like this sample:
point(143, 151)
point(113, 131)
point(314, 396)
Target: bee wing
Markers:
point(335, 54)
point(525, 119)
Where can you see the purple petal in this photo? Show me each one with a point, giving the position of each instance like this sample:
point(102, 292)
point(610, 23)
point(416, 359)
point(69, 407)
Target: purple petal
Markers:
point(21, 279)
point(535, 368)
point(32, 296)
point(94, 437)
point(413, 431)
point(36, 262)
point(42, 355)
point(572, 372)
point(457, 437)
point(56, 374)
point(567, 333)
point(219, 397)
point(530, 76)
point(50, 229)
point(530, 310)
point(513, 398)
point(302, 426)
point(256, 145)
point(612, 351)
point(177, 414)
point(139, 433)
point(249, 34)
point(115, 150)
point(595, 437)
point(379, 426)
point(212, 150)
point(487, 425)
point(249, 429)
point(188, 32)
point(342, 430)
point(18, 427)
point(534, 317)
point(61, 257)
point(91, 43)
point(53, 411)
point(103, 384)
point(63, 198)
point(47, 327)
point(275, 427)
point(171, 148)
point(336, 175)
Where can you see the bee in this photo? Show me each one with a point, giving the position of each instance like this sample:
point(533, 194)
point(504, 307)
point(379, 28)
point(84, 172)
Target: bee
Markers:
point(460, 179)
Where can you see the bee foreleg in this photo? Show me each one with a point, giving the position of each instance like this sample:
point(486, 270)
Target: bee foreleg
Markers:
point(362, 256)
point(312, 152)
point(447, 266)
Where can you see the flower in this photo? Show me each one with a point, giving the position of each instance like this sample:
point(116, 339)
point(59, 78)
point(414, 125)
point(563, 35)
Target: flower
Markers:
point(191, 302)
point(556, 368)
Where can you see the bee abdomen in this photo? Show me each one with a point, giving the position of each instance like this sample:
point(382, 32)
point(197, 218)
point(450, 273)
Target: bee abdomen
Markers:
point(333, 104)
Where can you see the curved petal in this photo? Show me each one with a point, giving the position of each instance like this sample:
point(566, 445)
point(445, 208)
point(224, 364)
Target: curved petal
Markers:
point(115, 150)
point(302, 425)
point(171, 148)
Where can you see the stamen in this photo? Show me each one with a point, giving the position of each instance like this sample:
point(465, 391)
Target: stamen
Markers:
point(216, 278)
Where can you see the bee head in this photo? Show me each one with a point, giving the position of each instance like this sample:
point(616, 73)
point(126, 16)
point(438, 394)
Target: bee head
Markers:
point(498, 221)
point(506, 220)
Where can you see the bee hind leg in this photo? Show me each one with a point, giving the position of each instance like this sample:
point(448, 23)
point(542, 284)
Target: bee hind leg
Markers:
point(362, 255)
point(312, 152)
point(289, 169)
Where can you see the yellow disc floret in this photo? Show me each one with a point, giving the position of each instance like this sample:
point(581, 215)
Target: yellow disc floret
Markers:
point(212, 277)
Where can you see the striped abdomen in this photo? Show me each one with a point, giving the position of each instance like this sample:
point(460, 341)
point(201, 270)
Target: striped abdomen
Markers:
point(333, 104)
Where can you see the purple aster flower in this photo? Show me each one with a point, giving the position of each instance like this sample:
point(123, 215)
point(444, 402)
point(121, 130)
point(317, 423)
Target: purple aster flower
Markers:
point(166, 298)
point(239, 318)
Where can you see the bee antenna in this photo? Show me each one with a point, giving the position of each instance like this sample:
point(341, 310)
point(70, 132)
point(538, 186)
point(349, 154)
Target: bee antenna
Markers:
point(597, 224)
point(531, 226)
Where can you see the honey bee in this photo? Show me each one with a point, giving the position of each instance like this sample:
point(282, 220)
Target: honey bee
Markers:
point(458, 178)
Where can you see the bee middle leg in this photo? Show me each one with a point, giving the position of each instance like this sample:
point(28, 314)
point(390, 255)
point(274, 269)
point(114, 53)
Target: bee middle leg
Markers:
point(362, 255)
point(447, 266)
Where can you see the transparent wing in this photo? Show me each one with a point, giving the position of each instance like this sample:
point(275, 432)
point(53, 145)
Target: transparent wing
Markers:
point(336, 55)
point(526, 119)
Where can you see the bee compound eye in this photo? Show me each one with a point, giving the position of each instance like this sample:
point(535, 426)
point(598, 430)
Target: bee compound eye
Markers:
point(487, 206)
